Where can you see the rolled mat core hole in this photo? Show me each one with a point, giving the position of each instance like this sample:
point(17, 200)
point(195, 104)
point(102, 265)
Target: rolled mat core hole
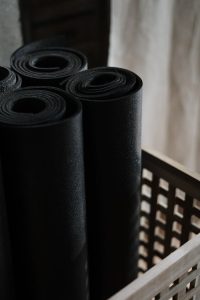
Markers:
point(103, 79)
point(29, 105)
point(3, 73)
point(51, 62)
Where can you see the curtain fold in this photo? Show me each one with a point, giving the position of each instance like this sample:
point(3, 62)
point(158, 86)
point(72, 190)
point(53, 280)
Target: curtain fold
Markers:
point(10, 29)
point(160, 40)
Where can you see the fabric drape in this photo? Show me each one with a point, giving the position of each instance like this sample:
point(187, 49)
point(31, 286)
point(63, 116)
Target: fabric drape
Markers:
point(160, 40)
point(10, 29)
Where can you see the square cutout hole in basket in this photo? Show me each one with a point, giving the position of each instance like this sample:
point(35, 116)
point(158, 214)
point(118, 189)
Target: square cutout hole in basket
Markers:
point(173, 284)
point(195, 221)
point(164, 184)
point(178, 211)
point(194, 282)
point(142, 264)
point(161, 217)
point(143, 251)
point(191, 285)
point(180, 194)
point(147, 174)
point(175, 243)
point(196, 203)
point(144, 222)
point(159, 232)
point(143, 237)
point(145, 206)
point(158, 247)
point(177, 227)
point(192, 269)
point(156, 259)
point(146, 190)
point(162, 201)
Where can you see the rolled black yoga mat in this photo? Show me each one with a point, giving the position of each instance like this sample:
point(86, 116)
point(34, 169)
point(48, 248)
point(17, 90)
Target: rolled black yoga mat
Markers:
point(42, 163)
point(9, 80)
point(47, 62)
point(6, 268)
point(111, 99)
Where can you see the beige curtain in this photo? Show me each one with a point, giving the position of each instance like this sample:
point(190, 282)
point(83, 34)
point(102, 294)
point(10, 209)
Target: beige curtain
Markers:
point(160, 40)
point(10, 31)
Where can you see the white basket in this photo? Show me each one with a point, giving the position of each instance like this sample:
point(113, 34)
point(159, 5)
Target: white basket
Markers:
point(169, 239)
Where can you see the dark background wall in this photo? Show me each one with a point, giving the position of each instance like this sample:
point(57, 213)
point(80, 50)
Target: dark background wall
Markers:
point(86, 24)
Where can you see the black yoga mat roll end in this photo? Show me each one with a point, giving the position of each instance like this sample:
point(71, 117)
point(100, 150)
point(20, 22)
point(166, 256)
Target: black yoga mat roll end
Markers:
point(47, 62)
point(7, 291)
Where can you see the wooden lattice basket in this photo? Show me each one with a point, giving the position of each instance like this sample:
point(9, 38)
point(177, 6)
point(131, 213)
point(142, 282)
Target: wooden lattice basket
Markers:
point(169, 265)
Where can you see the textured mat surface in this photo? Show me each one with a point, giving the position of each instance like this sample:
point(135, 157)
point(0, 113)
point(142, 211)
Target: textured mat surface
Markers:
point(42, 162)
point(47, 62)
point(111, 99)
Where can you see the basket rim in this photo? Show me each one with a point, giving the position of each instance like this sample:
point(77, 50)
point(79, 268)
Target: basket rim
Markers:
point(172, 171)
point(175, 264)
point(166, 159)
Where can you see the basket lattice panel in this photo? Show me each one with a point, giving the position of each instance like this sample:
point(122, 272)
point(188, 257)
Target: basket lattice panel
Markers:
point(170, 212)
point(169, 264)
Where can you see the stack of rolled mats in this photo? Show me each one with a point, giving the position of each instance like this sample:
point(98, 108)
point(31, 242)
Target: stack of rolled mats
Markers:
point(70, 169)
